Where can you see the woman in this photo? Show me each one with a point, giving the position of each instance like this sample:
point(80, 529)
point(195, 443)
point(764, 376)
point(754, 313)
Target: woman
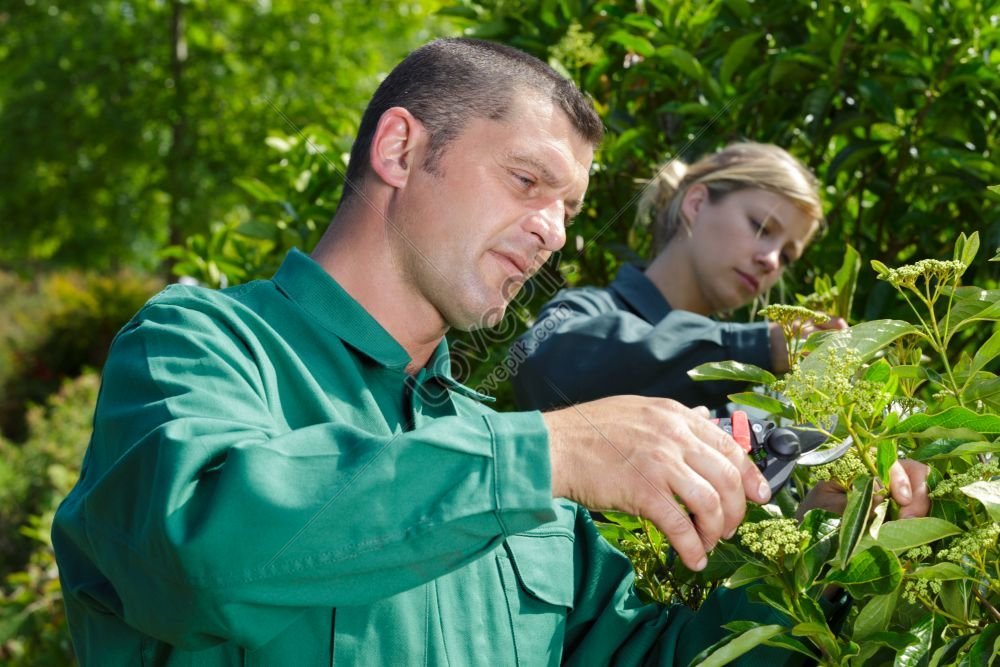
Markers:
point(724, 230)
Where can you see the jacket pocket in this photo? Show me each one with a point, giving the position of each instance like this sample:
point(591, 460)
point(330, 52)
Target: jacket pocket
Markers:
point(543, 567)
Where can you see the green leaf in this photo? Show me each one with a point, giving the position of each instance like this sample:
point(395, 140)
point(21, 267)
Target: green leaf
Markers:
point(768, 404)
point(790, 644)
point(917, 653)
point(875, 615)
point(819, 633)
point(966, 248)
point(633, 43)
point(985, 650)
point(955, 421)
point(887, 456)
point(947, 654)
point(822, 529)
point(880, 269)
point(941, 572)
point(732, 370)
point(747, 573)
point(681, 59)
point(905, 534)
point(879, 372)
point(989, 351)
point(626, 521)
point(867, 338)
point(736, 55)
point(875, 571)
point(852, 525)
point(972, 304)
point(734, 646)
point(257, 189)
point(909, 17)
point(946, 448)
point(988, 493)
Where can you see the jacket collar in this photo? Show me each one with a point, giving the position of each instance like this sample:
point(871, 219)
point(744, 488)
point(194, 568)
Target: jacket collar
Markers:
point(314, 290)
point(639, 292)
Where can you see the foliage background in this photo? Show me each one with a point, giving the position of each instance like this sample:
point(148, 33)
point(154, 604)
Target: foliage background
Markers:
point(161, 137)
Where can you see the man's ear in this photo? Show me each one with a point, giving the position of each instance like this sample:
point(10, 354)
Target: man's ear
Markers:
point(694, 198)
point(394, 144)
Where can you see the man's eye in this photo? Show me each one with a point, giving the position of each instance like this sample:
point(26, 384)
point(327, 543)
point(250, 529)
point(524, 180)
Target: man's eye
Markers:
point(525, 181)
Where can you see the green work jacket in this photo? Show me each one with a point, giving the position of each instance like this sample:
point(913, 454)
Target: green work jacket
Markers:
point(266, 485)
point(588, 343)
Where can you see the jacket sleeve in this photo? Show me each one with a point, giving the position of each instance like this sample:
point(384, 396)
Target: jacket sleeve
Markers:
point(610, 625)
point(198, 519)
point(583, 347)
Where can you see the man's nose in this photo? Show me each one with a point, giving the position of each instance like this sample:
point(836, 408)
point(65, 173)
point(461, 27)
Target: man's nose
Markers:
point(549, 225)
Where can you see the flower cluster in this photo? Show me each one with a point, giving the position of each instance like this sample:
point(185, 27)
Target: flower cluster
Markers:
point(843, 471)
point(918, 553)
point(792, 316)
point(915, 588)
point(819, 396)
point(977, 541)
point(928, 269)
point(976, 473)
point(773, 538)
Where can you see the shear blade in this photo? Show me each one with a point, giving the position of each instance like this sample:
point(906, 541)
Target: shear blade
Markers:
point(822, 456)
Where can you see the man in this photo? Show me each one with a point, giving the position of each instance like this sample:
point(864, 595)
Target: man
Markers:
point(286, 473)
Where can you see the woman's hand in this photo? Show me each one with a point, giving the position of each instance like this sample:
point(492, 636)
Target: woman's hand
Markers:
point(908, 482)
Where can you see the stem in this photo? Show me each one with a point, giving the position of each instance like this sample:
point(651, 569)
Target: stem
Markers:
point(986, 603)
point(934, 609)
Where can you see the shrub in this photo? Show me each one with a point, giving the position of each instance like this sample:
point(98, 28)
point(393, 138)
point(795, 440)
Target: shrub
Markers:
point(921, 587)
point(56, 326)
point(34, 478)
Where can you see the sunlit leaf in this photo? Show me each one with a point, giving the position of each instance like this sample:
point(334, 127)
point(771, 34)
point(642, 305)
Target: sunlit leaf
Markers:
point(953, 421)
point(732, 647)
point(988, 493)
point(904, 534)
point(732, 370)
point(874, 571)
point(852, 525)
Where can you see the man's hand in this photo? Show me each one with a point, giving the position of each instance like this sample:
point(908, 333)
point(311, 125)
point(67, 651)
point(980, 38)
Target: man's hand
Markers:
point(644, 456)
point(907, 480)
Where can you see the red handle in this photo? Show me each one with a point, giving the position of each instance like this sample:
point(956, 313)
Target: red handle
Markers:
point(741, 430)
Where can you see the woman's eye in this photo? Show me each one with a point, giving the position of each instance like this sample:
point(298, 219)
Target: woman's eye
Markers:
point(758, 226)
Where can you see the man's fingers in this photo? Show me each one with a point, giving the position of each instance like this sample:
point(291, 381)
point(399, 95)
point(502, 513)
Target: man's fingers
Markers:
point(726, 481)
point(680, 531)
point(755, 487)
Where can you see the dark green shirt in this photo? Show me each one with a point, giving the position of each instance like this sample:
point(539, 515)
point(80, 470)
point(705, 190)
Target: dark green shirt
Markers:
point(588, 343)
point(267, 486)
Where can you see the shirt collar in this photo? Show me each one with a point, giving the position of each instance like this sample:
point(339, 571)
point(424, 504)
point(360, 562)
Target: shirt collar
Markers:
point(639, 292)
point(314, 290)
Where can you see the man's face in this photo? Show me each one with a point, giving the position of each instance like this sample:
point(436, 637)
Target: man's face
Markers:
point(470, 235)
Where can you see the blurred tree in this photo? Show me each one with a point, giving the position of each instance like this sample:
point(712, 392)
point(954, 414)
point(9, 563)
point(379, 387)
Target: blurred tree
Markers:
point(123, 124)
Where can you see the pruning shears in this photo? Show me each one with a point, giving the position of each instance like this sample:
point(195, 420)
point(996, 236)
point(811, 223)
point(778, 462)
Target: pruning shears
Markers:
point(776, 450)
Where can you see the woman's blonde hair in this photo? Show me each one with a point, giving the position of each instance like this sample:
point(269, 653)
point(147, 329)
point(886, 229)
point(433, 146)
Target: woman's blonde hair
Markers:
point(738, 166)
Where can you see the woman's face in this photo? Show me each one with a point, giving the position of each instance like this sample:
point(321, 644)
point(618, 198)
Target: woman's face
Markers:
point(740, 245)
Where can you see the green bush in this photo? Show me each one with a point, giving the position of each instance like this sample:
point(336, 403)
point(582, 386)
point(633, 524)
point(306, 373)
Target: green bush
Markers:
point(927, 588)
point(35, 476)
point(55, 327)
